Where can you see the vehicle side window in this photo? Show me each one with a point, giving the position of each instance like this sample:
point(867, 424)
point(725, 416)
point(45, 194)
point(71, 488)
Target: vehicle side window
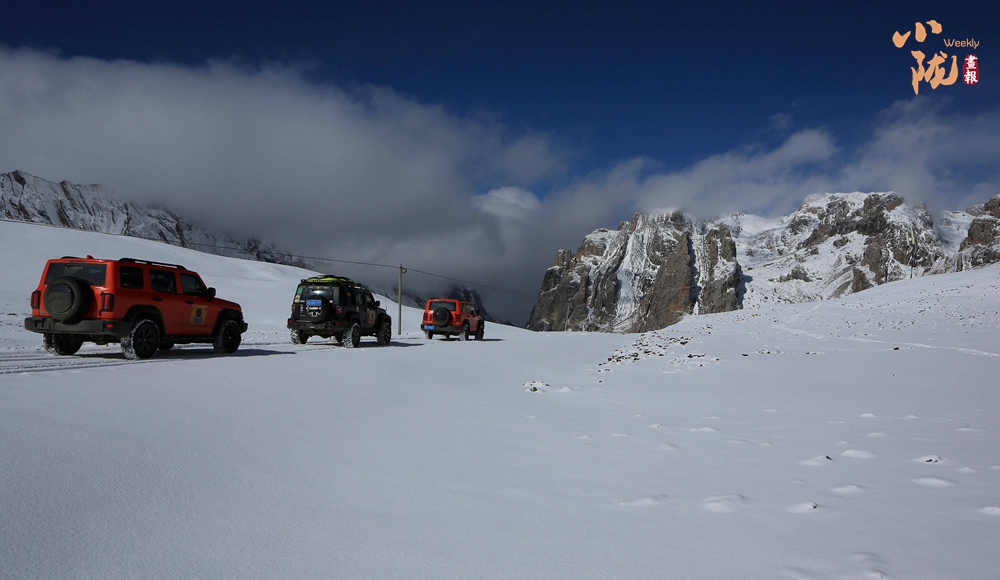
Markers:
point(162, 281)
point(369, 301)
point(190, 284)
point(130, 277)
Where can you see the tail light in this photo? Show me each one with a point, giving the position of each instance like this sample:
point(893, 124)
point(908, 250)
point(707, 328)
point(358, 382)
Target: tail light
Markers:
point(107, 301)
point(340, 309)
point(36, 300)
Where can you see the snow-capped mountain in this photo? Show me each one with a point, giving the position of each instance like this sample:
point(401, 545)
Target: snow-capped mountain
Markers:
point(24, 197)
point(657, 268)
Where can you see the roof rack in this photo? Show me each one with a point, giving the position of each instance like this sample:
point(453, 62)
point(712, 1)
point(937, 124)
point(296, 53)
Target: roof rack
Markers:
point(151, 263)
point(327, 279)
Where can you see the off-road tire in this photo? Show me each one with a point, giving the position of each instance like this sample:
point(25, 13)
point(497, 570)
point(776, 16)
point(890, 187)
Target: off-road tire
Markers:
point(481, 330)
point(428, 335)
point(463, 334)
point(442, 316)
point(352, 336)
point(338, 338)
point(384, 334)
point(142, 340)
point(299, 337)
point(62, 344)
point(228, 338)
point(66, 299)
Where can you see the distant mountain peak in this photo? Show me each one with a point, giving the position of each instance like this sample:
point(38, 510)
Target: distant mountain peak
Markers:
point(657, 268)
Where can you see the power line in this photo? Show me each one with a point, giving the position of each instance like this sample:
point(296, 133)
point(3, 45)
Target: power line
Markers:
point(186, 244)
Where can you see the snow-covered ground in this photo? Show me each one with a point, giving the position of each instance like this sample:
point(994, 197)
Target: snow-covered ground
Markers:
point(856, 438)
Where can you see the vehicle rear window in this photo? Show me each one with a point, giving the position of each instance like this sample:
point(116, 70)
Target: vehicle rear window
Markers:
point(162, 281)
point(130, 277)
point(447, 305)
point(92, 274)
point(331, 293)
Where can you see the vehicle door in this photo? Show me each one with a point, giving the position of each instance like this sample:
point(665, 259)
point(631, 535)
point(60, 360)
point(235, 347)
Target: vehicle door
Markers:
point(201, 312)
point(163, 284)
point(465, 316)
point(366, 310)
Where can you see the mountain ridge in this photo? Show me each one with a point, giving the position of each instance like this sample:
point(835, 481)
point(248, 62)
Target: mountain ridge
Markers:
point(659, 267)
point(28, 198)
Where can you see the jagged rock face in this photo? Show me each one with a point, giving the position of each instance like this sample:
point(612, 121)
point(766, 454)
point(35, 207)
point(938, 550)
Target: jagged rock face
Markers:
point(982, 245)
point(658, 268)
point(646, 275)
point(24, 197)
point(834, 245)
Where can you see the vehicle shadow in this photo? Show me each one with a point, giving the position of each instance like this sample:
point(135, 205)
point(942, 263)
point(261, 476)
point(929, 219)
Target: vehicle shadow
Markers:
point(183, 353)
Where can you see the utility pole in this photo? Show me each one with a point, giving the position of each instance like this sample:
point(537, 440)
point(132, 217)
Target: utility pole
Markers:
point(399, 302)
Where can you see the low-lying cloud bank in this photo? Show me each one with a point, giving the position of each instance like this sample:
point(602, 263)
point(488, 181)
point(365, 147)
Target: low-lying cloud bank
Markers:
point(363, 173)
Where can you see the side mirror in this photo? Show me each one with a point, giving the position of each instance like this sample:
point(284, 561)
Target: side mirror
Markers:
point(378, 303)
point(210, 293)
point(475, 313)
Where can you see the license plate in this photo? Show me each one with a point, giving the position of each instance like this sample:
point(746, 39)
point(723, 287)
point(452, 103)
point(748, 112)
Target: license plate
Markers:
point(314, 302)
point(428, 327)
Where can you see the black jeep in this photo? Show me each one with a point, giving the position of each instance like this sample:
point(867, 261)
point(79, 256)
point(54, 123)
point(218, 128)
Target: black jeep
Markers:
point(333, 306)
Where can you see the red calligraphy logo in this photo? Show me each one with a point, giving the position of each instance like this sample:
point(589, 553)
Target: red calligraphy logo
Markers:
point(970, 69)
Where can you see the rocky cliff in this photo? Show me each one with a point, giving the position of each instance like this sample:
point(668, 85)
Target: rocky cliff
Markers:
point(656, 269)
point(24, 197)
point(648, 274)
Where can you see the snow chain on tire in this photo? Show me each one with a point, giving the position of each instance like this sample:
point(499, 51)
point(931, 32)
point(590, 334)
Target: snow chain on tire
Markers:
point(352, 336)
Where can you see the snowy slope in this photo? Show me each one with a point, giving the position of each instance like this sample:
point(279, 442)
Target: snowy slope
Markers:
point(790, 441)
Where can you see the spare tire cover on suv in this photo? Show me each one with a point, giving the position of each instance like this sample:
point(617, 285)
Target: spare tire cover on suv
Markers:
point(442, 316)
point(66, 299)
point(317, 308)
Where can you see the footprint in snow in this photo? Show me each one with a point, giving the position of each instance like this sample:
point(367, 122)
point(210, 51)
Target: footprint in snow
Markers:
point(858, 454)
point(930, 459)
point(991, 511)
point(933, 482)
point(724, 503)
point(806, 507)
point(641, 502)
point(818, 461)
point(849, 489)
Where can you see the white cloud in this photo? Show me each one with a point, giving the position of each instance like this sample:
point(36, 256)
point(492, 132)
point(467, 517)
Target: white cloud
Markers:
point(367, 174)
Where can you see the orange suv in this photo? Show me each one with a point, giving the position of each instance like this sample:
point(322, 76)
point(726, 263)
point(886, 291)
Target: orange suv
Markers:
point(146, 306)
point(452, 317)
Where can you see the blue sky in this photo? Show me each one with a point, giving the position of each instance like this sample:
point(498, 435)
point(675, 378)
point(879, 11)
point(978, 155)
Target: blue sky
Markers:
point(479, 138)
point(674, 82)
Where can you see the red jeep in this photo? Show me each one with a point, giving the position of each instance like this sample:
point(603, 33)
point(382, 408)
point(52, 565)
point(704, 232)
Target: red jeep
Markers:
point(144, 305)
point(452, 317)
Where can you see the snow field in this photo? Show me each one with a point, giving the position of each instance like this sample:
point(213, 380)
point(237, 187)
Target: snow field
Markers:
point(780, 442)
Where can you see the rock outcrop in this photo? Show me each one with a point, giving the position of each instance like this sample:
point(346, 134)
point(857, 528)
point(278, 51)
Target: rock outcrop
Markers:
point(648, 274)
point(982, 244)
point(656, 269)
